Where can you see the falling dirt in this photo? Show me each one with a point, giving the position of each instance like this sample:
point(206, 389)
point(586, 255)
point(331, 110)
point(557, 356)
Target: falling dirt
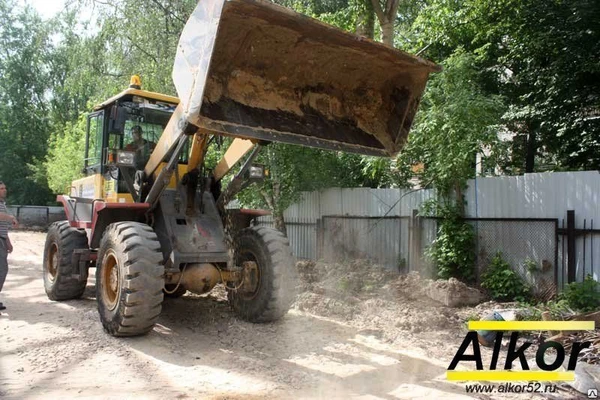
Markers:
point(365, 333)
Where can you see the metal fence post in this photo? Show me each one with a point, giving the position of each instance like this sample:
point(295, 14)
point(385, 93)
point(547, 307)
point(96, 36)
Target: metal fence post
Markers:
point(414, 254)
point(320, 239)
point(571, 256)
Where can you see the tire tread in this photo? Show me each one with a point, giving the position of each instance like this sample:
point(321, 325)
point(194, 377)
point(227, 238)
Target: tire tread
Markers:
point(142, 272)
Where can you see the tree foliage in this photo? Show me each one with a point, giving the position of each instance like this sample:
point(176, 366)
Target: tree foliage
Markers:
point(293, 169)
point(541, 56)
point(456, 122)
point(140, 37)
point(65, 156)
point(453, 250)
point(523, 67)
point(24, 111)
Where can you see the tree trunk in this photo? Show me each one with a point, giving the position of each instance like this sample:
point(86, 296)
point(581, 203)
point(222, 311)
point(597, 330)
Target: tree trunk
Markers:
point(387, 33)
point(531, 150)
point(386, 15)
point(272, 201)
point(279, 222)
point(365, 22)
point(277, 209)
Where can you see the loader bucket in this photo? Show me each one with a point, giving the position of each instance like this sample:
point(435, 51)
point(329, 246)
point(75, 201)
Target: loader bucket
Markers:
point(252, 69)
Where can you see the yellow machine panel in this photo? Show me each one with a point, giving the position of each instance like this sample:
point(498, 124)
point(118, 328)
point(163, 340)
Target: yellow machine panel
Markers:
point(181, 170)
point(90, 187)
point(96, 187)
point(119, 198)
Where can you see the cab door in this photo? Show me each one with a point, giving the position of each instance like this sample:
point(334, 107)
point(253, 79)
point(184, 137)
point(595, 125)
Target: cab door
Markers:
point(94, 143)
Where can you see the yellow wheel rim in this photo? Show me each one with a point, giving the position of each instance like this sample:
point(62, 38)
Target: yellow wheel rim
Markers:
point(111, 284)
point(251, 276)
point(52, 263)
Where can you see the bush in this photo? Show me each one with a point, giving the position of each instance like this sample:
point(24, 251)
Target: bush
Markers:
point(582, 296)
point(65, 155)
point(558, 309)
point(504, 284)
point(531, 266)
point(453, 249)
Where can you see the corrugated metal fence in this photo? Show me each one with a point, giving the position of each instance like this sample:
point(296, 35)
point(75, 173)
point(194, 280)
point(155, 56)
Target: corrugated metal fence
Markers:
point(548, 195)
point(338, 224)
point(521, 216)
point(383, 240)
point(36, 216)
point(524, 217)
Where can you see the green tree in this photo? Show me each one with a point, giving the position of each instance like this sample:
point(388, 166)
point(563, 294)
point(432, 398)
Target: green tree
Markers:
point(24, 108)
point(542, 58)
point(294, 169)
point(65, 155)
point(81, 73)
point(456, 122)
point(140, 37)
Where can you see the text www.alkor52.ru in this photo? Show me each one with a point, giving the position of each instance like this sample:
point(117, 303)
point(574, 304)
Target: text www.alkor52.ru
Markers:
point(509, 387)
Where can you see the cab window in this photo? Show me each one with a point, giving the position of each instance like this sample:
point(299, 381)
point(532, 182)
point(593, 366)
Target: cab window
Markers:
point(94, 140)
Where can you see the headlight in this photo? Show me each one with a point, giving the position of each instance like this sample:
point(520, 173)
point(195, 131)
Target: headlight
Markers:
point(256, 172)
point(125, 158)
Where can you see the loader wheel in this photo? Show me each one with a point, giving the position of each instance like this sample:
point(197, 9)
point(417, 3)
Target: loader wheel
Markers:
point(129, 279)
point(269, 286)
point(58, 268)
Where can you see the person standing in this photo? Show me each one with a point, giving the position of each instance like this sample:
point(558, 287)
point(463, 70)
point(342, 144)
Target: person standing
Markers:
point(6, 247)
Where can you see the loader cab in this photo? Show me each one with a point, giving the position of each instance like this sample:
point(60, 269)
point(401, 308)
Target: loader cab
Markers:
point(110, 155)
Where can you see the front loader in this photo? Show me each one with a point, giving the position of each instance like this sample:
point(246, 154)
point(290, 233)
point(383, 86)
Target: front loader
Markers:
point(153, 220)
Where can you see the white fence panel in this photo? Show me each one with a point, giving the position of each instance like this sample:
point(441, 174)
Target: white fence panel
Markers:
point(539, 195)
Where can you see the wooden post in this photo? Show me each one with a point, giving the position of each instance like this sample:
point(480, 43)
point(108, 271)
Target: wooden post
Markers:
point(571, 253)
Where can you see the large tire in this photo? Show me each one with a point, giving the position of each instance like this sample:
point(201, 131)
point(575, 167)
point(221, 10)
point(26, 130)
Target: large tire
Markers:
point(276, 278)
point(129, 279)
point(58, 268)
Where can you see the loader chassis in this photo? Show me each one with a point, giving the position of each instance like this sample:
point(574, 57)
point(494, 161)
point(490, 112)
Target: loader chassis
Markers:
point(144, 250)
point(153, 220)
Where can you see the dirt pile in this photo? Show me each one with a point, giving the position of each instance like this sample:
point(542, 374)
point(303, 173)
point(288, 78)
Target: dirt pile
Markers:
point(453, 293)
point(372, 297)
point(330, 289)
point(357, 278)
point(590, 355)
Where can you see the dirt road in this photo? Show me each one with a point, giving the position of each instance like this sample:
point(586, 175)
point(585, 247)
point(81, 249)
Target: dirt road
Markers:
point(200, 349)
